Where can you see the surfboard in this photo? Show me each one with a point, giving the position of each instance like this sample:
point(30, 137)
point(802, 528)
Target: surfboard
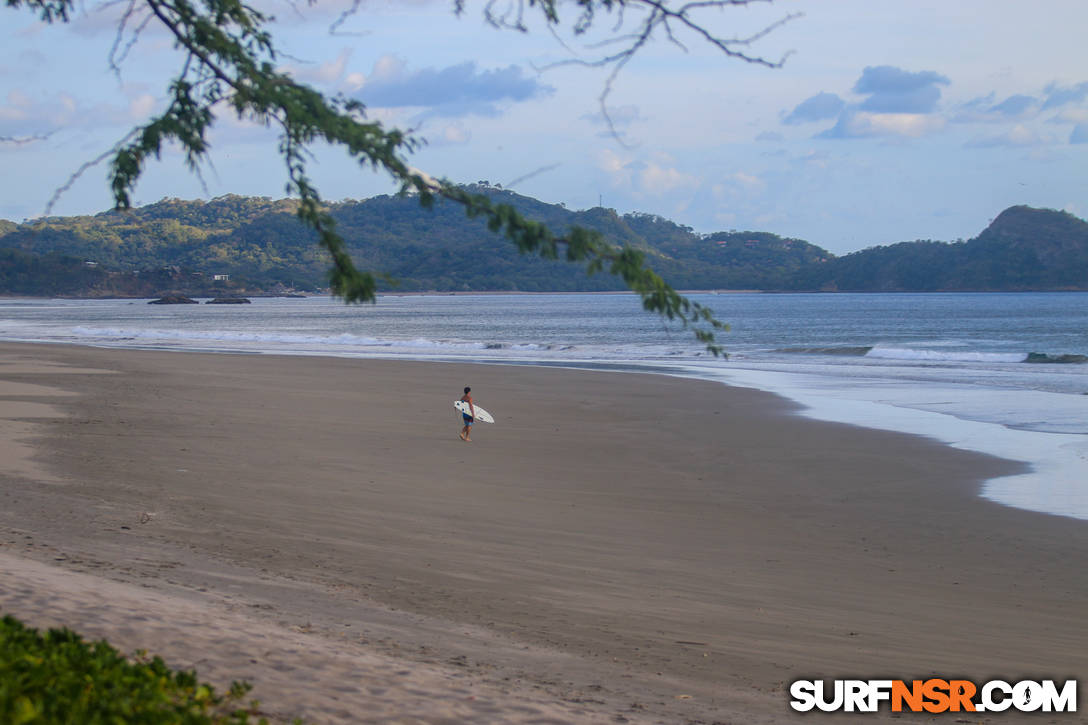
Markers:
point(481, 414)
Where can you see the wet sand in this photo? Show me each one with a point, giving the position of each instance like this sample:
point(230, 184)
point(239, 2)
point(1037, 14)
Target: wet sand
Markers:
point(615, 546)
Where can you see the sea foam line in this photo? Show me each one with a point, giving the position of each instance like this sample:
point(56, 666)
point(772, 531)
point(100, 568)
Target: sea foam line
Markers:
point(345, 339)
point(1056, 483)
point(879, 352)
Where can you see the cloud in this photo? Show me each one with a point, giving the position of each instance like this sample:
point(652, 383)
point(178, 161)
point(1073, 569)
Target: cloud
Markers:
point(1071, 115)
point(749, 182)
point(354, 81)
point(896, 103)
point(450, 134)
point(1064, 95)
point(894, 90)
point(1015, 105)
point(821, 107)
point(976, 107)
point(1019, 136)
point(984, 110)
point(458, 90)
point(863, 124)
point(32, 114)
point(21, 115)
point(770, 137)
point(141, 107)
point(654, 177)
point(1021, 109)
point(325, 73)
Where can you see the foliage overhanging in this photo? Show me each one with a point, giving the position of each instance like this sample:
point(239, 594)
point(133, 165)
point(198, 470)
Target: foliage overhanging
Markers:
point(229, 61)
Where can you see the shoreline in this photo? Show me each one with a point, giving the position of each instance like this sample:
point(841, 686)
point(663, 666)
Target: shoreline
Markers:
point(1052, 461)
point(464, 293)
point(613, 539)
point(1051, 468)
point(1052, 475)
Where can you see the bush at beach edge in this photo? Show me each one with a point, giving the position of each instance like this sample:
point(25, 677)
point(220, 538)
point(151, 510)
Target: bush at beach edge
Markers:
point(57, 677)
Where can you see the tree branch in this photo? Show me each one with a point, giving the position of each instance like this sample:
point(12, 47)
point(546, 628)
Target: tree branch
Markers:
point(230, 57)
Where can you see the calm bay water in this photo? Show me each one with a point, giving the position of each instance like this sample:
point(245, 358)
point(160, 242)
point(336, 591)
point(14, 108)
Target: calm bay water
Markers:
point(999, 373)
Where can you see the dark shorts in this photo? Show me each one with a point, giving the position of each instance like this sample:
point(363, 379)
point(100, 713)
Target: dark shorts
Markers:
point(467, 418)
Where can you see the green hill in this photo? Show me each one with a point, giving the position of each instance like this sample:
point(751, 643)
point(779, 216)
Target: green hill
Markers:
point(263, 248)
point(1023, 249)
point(247, 245)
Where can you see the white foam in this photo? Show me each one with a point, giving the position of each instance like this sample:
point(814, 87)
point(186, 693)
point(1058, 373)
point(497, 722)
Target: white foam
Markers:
point(265, 341)
point(1056, 484)
point(900, 353)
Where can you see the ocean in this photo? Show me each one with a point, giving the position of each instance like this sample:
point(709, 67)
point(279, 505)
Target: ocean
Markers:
point(1005, 374)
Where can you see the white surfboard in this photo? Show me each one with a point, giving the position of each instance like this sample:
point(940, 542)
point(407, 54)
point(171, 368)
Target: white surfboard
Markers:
point(481, 414)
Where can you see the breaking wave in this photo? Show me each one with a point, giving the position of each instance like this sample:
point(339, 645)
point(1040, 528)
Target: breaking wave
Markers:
point(846, 350)
point(969, 356)
point(905, 354)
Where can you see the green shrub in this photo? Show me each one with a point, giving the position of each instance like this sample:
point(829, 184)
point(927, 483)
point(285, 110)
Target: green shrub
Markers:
point(59, 678)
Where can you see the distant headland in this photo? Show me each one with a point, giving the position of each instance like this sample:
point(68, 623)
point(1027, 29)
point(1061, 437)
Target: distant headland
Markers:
point(233, 246)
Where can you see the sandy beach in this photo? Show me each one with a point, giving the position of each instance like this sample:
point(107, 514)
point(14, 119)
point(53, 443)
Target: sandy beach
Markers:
point(616, 548)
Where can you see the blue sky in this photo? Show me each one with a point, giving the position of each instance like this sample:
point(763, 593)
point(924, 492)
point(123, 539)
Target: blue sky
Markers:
point(890, 120)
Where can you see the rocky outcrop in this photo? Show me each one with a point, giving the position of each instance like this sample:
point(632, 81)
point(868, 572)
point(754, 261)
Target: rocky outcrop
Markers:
point(173, 300)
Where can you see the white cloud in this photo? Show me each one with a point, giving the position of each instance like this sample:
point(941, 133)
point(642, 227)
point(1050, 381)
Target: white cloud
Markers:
point(23, 115)
point(450, 134)
point(388, 67)
point(354, 81)
point(1018, 136)
point(865, 124)
point(141, 106)
point(611, 163)
point(738, 185)
point(749, 181)
point(653, 177)
point(664, 179)
point(325, 74)
point(17, 98)
point(1072, 115)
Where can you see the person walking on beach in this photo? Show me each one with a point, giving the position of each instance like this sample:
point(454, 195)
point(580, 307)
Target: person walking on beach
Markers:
point(466, 431)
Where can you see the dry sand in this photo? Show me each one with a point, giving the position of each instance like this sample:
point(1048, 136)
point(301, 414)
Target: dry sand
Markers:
point(616, 547)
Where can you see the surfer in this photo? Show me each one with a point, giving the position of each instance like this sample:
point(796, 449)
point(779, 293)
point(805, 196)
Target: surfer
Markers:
point(466, 431)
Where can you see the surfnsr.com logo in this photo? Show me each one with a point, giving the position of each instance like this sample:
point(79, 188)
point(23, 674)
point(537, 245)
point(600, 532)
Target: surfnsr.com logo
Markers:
point(933, 696)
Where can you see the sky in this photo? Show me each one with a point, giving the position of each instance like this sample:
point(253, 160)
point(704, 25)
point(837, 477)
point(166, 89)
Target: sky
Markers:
point(888, 121)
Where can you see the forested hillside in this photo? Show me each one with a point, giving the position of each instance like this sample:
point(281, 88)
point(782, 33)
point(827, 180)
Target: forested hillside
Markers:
point(262, 247)
point(1022, 249)
point(246, 245)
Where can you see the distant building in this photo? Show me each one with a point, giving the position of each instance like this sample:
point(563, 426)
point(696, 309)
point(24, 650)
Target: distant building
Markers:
point(221, 277)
